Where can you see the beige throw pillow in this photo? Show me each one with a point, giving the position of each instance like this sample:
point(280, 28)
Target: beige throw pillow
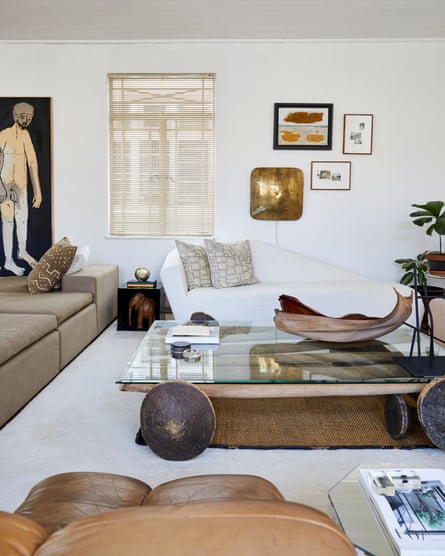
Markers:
point(52, 266)
point(230, 264)
point(196, 265)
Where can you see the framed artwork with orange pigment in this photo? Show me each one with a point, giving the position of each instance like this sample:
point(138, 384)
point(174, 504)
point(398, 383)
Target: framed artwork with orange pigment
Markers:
point(303, 126)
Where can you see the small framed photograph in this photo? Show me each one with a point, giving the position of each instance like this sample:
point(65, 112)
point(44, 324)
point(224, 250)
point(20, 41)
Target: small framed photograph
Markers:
point(330, 175)
point(357, 133)
point(302, 126)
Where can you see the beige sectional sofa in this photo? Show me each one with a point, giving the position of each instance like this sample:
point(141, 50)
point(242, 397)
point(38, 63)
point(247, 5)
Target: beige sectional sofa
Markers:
point(41, 333)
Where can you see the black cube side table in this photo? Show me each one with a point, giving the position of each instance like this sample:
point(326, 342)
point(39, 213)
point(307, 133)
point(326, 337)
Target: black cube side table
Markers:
point(137, 307)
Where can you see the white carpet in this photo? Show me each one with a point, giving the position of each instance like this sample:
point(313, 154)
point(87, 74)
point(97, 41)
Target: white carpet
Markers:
point(83, 422)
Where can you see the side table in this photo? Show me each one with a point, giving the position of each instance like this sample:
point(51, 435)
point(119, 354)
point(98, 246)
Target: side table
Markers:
point(351, 510)
point(137, 307)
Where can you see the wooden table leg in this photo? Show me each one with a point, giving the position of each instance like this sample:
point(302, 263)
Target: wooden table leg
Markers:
point(177, 420)
point(431, 411)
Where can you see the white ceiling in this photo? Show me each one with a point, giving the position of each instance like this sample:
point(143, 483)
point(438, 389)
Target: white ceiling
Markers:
point(220, 19)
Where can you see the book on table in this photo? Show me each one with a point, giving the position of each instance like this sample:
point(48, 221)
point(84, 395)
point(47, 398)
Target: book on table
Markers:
point(409, 505)
point(140, 284)
point(193, 333)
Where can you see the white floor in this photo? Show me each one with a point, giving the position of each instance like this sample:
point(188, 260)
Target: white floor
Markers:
point(83, 422)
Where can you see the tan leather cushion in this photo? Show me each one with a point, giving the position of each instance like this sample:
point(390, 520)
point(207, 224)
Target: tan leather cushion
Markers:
point(202, 488)
point(61, 499)
point(242, 528)
point(19, 536)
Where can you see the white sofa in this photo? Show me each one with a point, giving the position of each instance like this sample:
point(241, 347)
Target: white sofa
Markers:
point(327, 288)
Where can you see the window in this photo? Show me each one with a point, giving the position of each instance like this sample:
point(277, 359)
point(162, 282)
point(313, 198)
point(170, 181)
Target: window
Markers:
point(161, 155)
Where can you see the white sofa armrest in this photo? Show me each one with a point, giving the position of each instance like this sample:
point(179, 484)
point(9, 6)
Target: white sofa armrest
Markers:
point(173, 280)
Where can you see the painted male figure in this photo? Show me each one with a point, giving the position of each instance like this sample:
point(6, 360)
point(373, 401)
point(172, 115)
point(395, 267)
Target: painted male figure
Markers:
point(19, 157)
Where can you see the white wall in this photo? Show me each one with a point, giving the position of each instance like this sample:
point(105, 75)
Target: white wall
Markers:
point(401, 83)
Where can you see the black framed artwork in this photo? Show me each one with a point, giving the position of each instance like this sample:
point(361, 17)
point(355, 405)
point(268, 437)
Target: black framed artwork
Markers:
point(26, 229)
point(303, 126)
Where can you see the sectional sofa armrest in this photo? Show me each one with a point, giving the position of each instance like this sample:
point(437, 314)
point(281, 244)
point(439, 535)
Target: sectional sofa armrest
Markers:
point(102, 280)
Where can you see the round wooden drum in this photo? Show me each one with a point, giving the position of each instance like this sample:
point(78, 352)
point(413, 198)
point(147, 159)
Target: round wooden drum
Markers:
point(431, 411)
point(177, 420)
point(397, 416)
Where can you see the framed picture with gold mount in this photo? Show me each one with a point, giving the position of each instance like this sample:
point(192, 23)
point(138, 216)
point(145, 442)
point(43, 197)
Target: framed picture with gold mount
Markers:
point(276, 193)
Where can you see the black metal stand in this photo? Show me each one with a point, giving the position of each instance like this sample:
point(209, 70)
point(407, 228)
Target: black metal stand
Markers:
point(422, 366)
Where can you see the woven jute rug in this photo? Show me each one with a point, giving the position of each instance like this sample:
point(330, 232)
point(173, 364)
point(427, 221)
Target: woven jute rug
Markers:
point(328, 422)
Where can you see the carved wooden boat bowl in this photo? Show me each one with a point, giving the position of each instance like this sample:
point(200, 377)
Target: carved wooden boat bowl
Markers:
point(297, 318)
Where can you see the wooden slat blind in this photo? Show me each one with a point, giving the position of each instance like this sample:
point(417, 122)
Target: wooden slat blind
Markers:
point(161, 155)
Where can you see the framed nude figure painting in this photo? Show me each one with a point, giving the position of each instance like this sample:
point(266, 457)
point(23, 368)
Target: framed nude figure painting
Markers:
point(25, 183)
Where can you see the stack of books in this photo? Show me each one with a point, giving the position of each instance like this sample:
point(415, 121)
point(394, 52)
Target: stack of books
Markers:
point(140, 284)
point(409, 505)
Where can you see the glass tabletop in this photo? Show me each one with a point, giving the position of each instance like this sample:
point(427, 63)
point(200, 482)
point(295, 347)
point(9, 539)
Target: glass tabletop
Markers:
point(257, 352)
point(352, 511)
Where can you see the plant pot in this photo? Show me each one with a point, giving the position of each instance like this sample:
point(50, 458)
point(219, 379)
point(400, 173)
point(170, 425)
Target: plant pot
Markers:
point(436, 263)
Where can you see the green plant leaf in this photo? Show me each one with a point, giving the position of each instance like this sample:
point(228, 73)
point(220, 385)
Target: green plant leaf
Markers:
point(433, 208)
point(440, 225)
point(407, 278)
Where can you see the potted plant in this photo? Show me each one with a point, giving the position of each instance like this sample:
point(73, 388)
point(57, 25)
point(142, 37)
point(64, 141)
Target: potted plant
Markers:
point(433, 215)
point(419, 266)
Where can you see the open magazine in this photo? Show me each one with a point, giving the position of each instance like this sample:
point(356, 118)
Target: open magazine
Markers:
point(409, 505)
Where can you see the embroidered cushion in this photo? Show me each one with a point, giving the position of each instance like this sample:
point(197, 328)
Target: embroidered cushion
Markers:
point(196, 265)
point(51, 268)
point(230, 264)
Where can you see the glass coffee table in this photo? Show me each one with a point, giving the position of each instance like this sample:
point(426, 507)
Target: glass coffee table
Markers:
point(353, 513)
point(256, 360)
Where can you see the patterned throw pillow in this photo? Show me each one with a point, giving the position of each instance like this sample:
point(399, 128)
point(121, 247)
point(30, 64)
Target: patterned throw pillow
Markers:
point(52, 266)
point(196, 265)
point(230, 264)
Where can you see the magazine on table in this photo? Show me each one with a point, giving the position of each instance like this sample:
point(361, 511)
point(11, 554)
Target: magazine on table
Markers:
point(409, 505)
point(193, 333)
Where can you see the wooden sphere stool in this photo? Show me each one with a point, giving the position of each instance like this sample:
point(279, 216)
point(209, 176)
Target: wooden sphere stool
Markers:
point(177, 420)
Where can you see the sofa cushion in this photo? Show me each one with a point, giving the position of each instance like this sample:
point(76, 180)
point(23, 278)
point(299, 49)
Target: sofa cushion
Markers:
point(19, 536)
point(196, 265)
point(62, 305)
point(18, 331)
point(80, 259)
point(244, 527)
point(259, 301)
point(230, 264)
point(14, 284)
point(66, 497)
point(202, 488)
point(51, 268)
